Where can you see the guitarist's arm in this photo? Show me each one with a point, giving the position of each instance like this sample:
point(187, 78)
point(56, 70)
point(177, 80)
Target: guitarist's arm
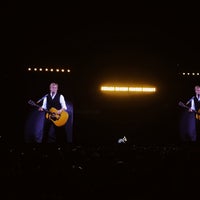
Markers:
point(192, 106)
point(43, 107)
point(63, 104)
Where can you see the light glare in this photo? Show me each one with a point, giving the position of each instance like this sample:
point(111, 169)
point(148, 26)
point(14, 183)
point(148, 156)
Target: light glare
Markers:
point(128, 89)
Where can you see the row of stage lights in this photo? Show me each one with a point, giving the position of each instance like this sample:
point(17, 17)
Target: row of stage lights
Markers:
point(46, 69)
point(108, 88)
point(190, 73)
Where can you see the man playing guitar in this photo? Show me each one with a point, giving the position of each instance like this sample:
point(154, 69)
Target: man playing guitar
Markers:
point(55, 101)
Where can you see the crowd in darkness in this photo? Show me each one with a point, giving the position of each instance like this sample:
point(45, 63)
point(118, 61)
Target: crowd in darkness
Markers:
point(121, 170)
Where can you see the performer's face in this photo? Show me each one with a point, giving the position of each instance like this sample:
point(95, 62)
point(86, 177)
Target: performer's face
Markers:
point(197, 90)
point(53, 88)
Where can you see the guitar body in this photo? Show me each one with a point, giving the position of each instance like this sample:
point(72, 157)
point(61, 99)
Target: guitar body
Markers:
point(57, 119)
point(198, 115)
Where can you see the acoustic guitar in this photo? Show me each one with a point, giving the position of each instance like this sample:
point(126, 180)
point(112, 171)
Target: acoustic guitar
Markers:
point(180, 103)
point(51, 114)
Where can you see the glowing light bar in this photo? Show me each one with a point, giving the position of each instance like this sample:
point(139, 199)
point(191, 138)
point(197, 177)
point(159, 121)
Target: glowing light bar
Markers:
point(122, 89)
point(128, 89)
point(136, 89)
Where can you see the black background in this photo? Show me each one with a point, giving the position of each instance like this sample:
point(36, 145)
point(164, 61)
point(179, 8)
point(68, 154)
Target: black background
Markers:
point(147, 44)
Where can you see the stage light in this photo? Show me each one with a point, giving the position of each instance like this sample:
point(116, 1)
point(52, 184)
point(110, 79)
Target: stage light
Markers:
point(148, 89)
point(48, 69)
point(122, 89)
point(189, 73)
point(128, 89)
point(107, 88)
point(135, 89)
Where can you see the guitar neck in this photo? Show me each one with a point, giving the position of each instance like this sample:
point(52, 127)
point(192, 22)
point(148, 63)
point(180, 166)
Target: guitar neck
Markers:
point(187, 107)
point(36, 105)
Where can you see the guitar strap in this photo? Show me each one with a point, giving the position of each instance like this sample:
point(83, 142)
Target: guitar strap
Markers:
point(41, 98)
point(189, 101)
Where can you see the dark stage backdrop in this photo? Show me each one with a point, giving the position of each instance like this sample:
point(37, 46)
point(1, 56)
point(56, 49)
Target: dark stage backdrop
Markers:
point(99, 118)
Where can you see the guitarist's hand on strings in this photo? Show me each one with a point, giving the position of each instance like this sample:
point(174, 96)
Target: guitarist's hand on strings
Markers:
point(60, 111)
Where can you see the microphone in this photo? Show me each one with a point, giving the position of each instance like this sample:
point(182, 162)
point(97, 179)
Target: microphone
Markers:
point(42, 98)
